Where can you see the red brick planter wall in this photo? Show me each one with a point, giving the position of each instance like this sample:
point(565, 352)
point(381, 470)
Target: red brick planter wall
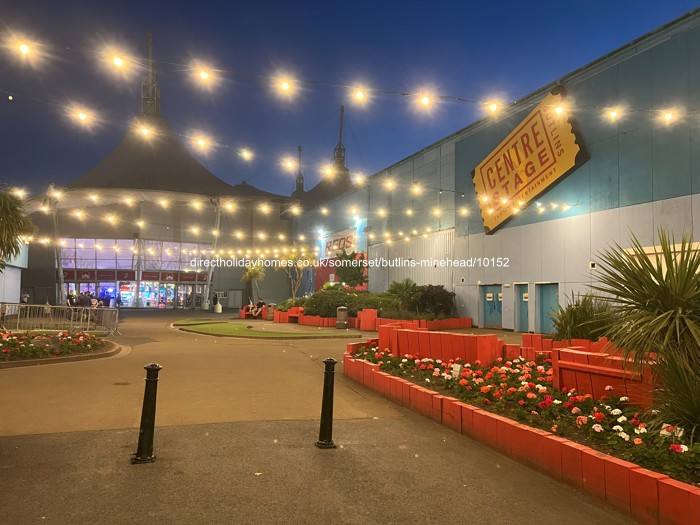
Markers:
point(650, 497)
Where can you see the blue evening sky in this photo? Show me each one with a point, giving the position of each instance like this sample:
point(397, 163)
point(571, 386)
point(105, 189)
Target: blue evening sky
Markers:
point(463, 49)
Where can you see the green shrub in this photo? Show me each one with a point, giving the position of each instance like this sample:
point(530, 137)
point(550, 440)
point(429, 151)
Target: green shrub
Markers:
point(285, 305)
point(585, 317)
point(436, 301)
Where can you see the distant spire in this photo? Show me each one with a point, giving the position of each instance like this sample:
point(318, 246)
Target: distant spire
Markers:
point(150, 92)
point(339, 150)
point(300, 177)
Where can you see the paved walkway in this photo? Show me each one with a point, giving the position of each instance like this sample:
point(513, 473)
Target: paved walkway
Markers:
point(236, 424)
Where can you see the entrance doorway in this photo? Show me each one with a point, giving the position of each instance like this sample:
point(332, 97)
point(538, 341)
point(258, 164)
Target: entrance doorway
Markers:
point(548, 301)
point(521, 302)
point(492, 306)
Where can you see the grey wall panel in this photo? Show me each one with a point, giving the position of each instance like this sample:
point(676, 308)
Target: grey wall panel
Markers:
point(637, 219)
point(492, 251)
point(577, 248)
point(476, 249)
point(508, 308)
point(378, 276)
point(531, 307)
point(462, 299)
point(461, 252)
point(673, 215)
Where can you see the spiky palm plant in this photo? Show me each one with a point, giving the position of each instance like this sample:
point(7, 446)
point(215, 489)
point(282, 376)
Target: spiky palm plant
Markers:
point(584, 317)
point(253, 274)
point(14, 224)
point(657, 299)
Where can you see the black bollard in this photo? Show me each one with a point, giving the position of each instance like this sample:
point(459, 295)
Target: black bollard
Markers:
point(325, 435)
point(144, 453)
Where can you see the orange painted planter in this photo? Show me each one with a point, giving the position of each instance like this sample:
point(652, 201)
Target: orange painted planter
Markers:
point(651, 497)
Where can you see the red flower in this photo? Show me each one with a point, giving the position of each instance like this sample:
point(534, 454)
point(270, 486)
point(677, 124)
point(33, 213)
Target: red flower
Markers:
point(463, 382)
point(675, 447)
point(485, 389)
point(599, 416)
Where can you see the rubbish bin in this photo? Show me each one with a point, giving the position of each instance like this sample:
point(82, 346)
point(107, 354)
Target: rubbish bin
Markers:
point(218, 308)
point(271, 311)
point(341, 317)
point(205, 305)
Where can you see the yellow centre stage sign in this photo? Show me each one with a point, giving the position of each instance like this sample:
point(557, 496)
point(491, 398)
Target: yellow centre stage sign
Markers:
point(531, 158)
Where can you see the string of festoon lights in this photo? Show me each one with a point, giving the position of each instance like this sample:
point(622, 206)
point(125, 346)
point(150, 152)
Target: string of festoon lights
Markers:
point(117, 60)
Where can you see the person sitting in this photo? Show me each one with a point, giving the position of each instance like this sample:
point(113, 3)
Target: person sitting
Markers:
point(256, 310)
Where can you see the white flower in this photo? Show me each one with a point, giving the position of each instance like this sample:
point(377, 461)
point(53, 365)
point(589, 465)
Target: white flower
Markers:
point(404, 360)
point(618, 428)
point(624, 436)
point(624, 398)
point(621, 419)
point(640, 430)
point(557, 402)
point(427, 380)
point(616, 412)
point(684, 448)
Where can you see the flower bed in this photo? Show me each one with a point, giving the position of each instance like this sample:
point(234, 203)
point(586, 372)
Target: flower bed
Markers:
point(15, 347)
point(486, 401)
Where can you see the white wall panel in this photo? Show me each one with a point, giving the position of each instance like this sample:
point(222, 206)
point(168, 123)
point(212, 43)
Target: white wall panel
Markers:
point(492, 250)
point(511, 243)
point(640, 220)
point(605, 231)
point(577, 248)
point(673, 215)
point(553, 246)
point(531, 254)
point(378, 276)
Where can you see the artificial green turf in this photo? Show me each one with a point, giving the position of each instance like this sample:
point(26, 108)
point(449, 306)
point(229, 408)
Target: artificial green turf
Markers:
point(189, 322)
point(241, 330)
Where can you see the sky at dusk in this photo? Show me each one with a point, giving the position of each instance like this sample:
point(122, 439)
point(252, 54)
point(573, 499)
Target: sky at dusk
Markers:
point(471, 50)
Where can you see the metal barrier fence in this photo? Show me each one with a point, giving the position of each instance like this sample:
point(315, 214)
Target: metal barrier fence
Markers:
point(32, 317)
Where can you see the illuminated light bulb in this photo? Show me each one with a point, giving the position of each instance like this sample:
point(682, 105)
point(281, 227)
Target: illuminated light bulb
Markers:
point(288, 163)
point(359, 179)
point(490, 211)
point(140, 224)
point(118, 61)
point(613, 114)
point(504, 201)
point(415, 232)
point(353, 210)
point(56, 194)
point(381, 212)
point(327, 170)
point(18, 192)
point(540, 210)
point(296, 210)
point(246, 154)
point(302, 237)
point(24, 49)
point(554, 205)
point(196, 205)
point(371, 236)
point(409, 212)
point(78, 214)
point(668, 116)
point(144, 131)
point(129, 201)
point(493, 106)
point(44, 209)
point(559, 110)
point(195, 230)
point(111, 219)
point(215, 233)
point(281, 237)
point(388, 241)
point(400, 234)
point(265, 208)
point(262, 236)
point(203, 74)
point(407, 239)
point(566, 207)
point(324, 211)
point(484, 199)
point(416, 189)
point(516, 210)
point(239, 235)
point(437, 212)
point(520, 204)
point(230, 206)
point(464, 212)
point(10, 98)
point(164, 203)
point(389, 184)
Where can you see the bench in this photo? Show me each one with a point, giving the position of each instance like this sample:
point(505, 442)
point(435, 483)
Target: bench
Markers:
point(245, 313)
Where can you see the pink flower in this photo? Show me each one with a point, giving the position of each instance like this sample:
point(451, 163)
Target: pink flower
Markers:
point(609, 388)
point(597, 427)
point(576, 410)
point(581, 420)
point(637, 441)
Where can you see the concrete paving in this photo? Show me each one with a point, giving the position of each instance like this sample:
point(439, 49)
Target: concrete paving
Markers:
point(236, 424)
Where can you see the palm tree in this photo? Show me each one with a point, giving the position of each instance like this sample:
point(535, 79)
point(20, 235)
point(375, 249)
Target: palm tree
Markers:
point(253, 274)
point(656, 299)
point(405, 292)
point(14, 224)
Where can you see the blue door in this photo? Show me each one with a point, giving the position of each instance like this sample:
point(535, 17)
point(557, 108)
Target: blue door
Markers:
point(548, 304)
point(521, 301)
point(491, 298)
